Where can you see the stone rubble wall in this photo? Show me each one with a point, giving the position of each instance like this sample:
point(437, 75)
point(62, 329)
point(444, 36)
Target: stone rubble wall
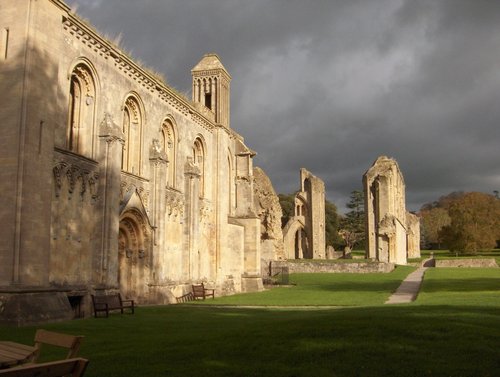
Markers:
point(341, 267)
point(480, 263)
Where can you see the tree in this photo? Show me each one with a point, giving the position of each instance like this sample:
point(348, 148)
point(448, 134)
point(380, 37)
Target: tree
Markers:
point(475, 223)
point(287, 203)
point(432, 221)
point(353, 223)
point(332, 220)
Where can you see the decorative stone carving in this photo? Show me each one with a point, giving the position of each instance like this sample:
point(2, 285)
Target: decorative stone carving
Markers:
point(110, 130)
point(79, 180)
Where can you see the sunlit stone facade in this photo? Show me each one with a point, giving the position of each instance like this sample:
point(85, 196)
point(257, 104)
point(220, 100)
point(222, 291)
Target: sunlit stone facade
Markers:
point(111, 180)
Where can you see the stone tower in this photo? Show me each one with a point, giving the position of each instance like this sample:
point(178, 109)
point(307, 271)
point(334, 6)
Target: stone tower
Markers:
point(211, 88)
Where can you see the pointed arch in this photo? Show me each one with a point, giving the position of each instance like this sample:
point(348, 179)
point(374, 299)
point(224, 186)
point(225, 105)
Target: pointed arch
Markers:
point(199, 159)
point(83, 91)
point(132, 124)
point(169, 140)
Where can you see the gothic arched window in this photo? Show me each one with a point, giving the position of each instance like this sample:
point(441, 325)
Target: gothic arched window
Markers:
point(199, 160)
point(82, 93)
point(132, 129)
point(170, 148)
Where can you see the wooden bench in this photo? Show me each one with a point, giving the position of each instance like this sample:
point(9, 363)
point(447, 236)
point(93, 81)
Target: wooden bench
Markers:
point(69, 367)
point(105, 303)
point(71, 342)
point(200, 292)
point(185, 298)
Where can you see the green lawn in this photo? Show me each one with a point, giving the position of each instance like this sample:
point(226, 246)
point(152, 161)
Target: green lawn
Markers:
point(338, 289)
point(453, 329)
point(461, 286)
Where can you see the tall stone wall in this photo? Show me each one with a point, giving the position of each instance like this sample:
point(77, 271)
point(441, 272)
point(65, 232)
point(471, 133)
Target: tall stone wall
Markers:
point(111, 180)
point(304, 234)
point(390, 231)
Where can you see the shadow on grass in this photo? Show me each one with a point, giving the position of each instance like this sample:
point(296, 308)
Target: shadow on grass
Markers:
point(205, 341)
point(462, 285)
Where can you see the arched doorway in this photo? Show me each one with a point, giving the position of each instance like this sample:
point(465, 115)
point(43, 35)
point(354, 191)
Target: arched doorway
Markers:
point(301, 249)
point(133, 255)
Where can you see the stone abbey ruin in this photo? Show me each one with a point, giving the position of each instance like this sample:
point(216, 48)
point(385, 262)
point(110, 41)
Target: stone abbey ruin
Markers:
point(113, 181)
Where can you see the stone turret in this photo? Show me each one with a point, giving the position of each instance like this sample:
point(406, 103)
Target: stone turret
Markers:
point(211, 87)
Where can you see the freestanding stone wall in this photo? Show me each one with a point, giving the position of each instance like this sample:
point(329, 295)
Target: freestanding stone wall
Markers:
point(413, 235)
point(390, 231)
point(304, 234)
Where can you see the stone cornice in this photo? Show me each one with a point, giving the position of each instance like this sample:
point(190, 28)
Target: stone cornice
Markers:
point(107, 50)
point(213, 73)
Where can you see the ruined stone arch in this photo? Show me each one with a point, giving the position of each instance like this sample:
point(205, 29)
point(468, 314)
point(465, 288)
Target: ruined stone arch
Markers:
point(82, 94)
point(133, 128)
point(199, 159)
point(295, 239)
point(170, 145)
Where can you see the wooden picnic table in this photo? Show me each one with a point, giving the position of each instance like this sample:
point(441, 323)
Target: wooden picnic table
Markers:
point(12, 353)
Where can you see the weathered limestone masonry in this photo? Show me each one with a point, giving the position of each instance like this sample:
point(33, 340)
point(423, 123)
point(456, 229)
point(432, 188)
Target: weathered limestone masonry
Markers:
point(304, 234)
point(413, 235)
point(390, 231)
point(111, 180)
point(363, 267)
point(268, 208)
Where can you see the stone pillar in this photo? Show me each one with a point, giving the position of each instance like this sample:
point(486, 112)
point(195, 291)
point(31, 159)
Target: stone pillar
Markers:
point(159, 164)
point(106, 263)
point(191, 216)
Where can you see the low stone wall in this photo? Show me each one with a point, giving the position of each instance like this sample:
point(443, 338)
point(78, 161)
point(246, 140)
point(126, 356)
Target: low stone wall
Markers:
point(480, 262)
point(305, 266)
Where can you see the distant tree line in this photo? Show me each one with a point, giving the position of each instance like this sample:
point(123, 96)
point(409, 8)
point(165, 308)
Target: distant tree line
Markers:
point(461, 222)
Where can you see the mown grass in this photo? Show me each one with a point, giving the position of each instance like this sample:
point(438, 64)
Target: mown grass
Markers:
point(438, 335)
point(320, 289)
point(461, 286)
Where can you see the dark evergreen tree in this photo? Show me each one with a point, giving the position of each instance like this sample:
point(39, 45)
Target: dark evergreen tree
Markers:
point(353, 223)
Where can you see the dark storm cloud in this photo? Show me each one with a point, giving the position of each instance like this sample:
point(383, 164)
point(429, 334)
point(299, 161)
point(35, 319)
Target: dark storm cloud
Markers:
point(332, 85)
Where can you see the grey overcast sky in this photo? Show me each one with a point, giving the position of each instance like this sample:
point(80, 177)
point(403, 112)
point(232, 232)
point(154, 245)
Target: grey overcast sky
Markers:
point(330, 85)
